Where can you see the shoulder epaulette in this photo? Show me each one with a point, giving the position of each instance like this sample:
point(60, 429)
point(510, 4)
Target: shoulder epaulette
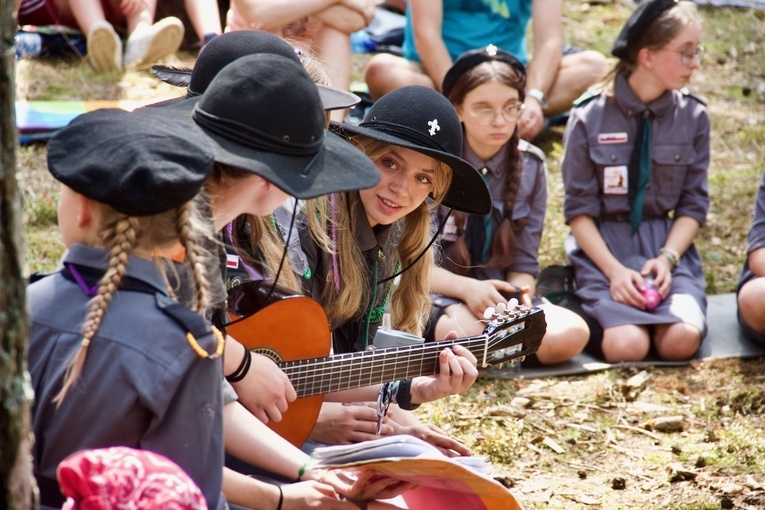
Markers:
point(687, 93)
point(588, 95)
point(525, 146)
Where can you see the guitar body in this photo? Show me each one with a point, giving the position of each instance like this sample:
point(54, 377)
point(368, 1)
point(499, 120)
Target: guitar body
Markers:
point(303, 332)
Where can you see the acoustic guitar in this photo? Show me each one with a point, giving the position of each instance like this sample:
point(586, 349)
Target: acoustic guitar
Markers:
point(294, 332)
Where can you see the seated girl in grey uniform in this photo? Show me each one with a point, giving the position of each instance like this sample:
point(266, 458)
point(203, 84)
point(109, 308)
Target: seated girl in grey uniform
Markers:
point(485, 256)
point(114, 359)
point(358, 243)
point(635, 174)
point(751, 287)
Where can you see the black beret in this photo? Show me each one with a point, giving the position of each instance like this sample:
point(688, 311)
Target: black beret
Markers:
point(472, 58)
point(638, 22)
point(138, 163)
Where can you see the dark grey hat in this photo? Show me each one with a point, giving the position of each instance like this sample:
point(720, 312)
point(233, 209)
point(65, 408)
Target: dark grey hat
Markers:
point(263, 115)
point(138, 163)
point(226, 48)
point(472, 58)
point(638, 22)
point(423, 120)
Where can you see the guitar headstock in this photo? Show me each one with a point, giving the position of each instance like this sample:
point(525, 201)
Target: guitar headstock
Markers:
point(514, 332)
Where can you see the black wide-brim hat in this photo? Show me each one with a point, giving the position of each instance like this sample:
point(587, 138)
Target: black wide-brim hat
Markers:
point(226, 48)
point(423, 120)
point(472, 58)
point(638, 22)
point(140, 164)
point(263, 115)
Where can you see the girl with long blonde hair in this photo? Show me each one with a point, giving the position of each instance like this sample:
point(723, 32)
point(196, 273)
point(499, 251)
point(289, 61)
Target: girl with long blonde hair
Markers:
point(370, 251)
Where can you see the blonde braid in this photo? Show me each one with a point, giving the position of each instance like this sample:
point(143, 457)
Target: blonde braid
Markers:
point(194, 255)
point(123, 237)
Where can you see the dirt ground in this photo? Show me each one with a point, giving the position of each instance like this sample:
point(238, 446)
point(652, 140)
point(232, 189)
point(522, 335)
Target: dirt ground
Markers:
point(683, 438)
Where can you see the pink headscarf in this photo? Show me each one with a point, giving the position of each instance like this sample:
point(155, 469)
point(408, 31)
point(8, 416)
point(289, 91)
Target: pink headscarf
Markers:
point(124, 478)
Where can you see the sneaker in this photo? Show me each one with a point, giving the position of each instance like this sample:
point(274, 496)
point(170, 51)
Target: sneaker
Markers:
point(147, 45)
point(104, 48)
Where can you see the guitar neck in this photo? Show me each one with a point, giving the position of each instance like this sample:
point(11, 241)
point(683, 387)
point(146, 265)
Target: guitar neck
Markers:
point(315, 376)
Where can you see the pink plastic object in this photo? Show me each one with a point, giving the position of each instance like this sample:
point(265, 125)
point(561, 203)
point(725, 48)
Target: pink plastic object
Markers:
point(651, 295)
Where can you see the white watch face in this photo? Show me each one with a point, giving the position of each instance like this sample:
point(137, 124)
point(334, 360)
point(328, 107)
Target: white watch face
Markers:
point(539, 96)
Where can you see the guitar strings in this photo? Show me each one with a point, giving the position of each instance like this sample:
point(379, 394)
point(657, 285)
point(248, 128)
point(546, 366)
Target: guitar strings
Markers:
point(321, 375)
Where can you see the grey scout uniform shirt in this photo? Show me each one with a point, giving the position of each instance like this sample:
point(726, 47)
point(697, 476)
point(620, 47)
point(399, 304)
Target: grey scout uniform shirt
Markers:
point(530, 205)
point(142, 386)
point(598, 142)
point(346, 337)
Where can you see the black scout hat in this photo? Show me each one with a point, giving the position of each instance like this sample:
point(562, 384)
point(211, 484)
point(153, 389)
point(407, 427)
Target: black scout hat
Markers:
point(263, 115)
point(138, 163)
point(423, 120)
point(230, 46)
point(638, 22)
point(472, 58)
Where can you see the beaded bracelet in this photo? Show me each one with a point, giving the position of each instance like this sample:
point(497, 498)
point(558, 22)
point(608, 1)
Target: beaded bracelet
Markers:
point(242, 369)
point(302, 471)
point(671, 255)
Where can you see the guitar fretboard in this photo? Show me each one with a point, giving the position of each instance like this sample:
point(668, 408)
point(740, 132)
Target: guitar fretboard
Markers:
point(316, 376)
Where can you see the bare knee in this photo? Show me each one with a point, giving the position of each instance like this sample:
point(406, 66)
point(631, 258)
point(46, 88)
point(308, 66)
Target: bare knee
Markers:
point(385, 72)
point(626, 343)
point(458, 318)
point(594, 64)
point(677, 342)
point(567, 335)
point(750, 299)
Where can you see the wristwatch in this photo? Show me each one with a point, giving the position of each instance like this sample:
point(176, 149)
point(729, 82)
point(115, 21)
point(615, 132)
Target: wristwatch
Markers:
point(539, 96)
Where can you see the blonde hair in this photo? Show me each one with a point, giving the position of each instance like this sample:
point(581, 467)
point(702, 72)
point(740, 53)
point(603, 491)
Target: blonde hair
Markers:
point(658, 34)
point(260, 245)
point(410, 302)
point(121, 234)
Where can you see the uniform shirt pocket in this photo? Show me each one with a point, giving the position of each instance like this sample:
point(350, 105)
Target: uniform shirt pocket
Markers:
point(611, 162)
point(670, 163)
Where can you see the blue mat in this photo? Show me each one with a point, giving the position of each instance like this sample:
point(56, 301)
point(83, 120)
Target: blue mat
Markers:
point(724, 340)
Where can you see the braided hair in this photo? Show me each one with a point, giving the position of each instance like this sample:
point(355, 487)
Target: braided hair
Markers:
point(457, 256)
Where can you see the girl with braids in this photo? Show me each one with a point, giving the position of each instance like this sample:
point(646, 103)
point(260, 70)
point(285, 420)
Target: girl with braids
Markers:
point(485, 257)
point(114, 359)
point(356, 243)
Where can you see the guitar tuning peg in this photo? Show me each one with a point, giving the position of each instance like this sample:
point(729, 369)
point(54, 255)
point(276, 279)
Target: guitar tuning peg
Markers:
point(489, 313)
point(513, 303)
point(501, 307)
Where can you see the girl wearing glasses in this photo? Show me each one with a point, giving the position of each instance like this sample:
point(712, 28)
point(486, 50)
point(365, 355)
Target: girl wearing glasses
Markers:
point(486, 258)
point(635, 175)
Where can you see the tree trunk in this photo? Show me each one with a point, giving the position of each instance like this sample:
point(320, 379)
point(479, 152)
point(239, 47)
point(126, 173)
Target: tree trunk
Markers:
point(16, 481)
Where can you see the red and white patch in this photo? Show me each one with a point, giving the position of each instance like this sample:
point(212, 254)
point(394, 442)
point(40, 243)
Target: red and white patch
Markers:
point(612, 138)
point(232, 261)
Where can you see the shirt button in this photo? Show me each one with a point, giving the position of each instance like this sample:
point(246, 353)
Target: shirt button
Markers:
point(613, 157)
point(677, 157)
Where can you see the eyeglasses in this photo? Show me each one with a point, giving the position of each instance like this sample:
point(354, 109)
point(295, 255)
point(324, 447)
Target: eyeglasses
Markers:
point(486, 116)
point(686, 56)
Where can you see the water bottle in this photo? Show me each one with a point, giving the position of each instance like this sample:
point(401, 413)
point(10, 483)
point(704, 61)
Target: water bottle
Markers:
point(28, 45)
point(51, 42)
point(361, 42)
